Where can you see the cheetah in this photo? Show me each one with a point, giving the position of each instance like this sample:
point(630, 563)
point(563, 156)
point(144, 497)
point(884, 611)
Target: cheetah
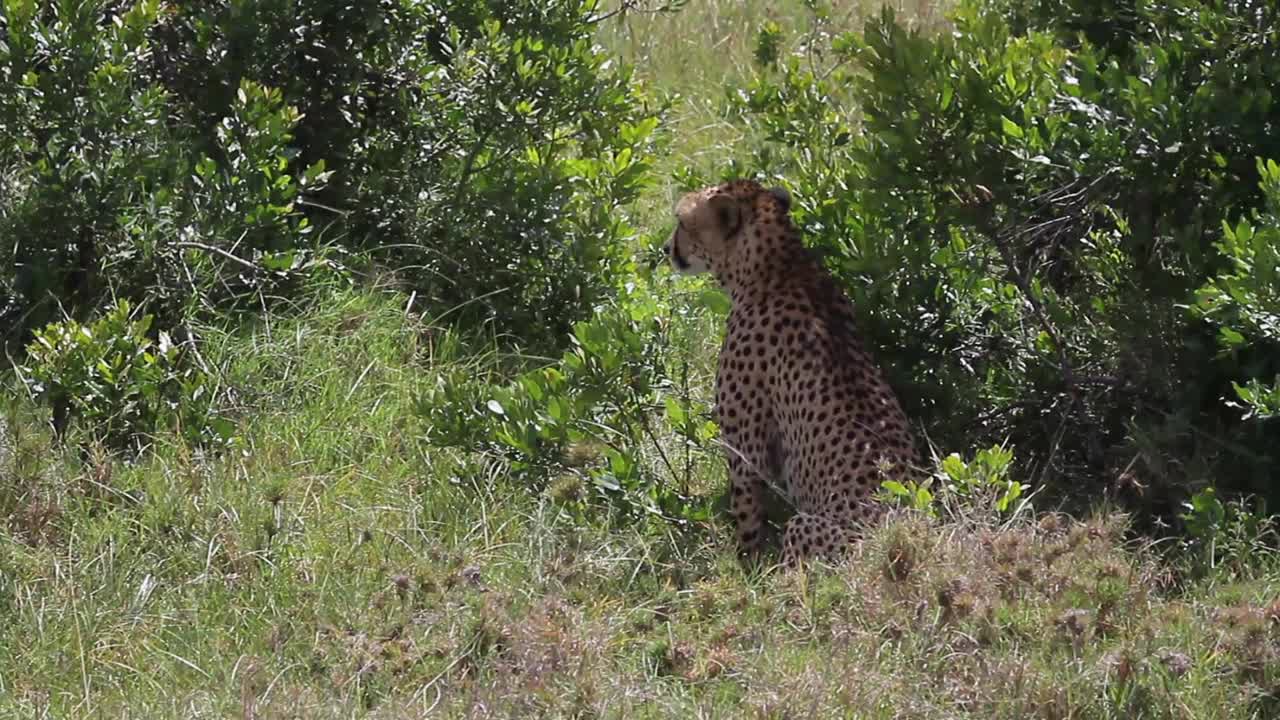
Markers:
point(801, 404)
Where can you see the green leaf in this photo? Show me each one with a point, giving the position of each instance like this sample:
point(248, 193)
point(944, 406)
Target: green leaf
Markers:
point(715, 300)
point(1230, 338)
point(1010, 127)
point(948, 92)
point(222, 427)
point(278, 262)
point(558, 408)
point(675, 412)
point(896, 488)
point(923, 498)
point(533, 386)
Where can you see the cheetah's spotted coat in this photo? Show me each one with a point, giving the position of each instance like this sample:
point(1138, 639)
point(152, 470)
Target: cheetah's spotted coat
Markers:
point(800, 402)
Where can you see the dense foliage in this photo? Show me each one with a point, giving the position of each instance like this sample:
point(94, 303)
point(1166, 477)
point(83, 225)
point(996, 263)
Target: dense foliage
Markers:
point(1058, 226)
point(201, 158)
point(120, 382)
point(189, 154)
point(1061, 229)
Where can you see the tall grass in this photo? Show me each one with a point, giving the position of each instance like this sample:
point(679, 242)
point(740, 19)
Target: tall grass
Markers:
point(337, 565)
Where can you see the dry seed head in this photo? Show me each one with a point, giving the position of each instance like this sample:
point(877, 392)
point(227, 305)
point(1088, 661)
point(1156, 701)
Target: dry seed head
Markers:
point(1050, 524)
point(1178, 664)
point(1075, 622)
point(900, 560)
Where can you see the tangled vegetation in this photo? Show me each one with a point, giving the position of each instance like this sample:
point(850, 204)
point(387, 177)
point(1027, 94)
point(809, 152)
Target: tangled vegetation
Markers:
point(345, 378)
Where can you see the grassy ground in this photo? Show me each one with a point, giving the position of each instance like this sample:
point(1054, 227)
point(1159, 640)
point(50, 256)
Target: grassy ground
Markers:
point(337, 565)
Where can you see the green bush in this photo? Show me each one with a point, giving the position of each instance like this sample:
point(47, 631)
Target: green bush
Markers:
point(613, 420)
point(108, 194)
point(483, 149)
point(981, 485)
point(507, 191)
point(200, 155)
point(88, 156)
point(1244, 299)
point(1229, 538)
point(123, 386)
point(1025, 211)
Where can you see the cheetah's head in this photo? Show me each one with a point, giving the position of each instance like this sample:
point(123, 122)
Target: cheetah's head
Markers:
point(710, 224)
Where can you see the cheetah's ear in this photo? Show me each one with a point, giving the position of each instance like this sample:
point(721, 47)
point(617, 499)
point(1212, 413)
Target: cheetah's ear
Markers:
point(726, 212)
point(782, 196)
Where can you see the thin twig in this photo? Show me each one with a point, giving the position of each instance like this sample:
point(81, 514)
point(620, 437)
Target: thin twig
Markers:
point(219, 251)
point(314, 204)
point(1022, 281)
point(621, 9)
point(468, 165)
point(629, 6)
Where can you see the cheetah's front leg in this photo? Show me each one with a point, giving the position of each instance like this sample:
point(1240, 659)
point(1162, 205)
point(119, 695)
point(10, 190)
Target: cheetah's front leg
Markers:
point(746, 503)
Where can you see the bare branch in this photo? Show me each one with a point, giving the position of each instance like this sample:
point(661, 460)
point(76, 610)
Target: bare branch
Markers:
point(220, 252)
point(635, 6)
point(625, 7)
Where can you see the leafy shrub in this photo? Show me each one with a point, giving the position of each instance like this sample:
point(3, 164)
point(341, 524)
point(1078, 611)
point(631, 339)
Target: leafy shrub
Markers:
point(110, 196)
point(602, 423)
point(122, 385)
point(196, 155)
point(483, 148)
point(1244, 300)
point(506, 192)
point(87, 152)
point(1227, 536)
point(251, 193)
point(1025, 210)
point(982, 484)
